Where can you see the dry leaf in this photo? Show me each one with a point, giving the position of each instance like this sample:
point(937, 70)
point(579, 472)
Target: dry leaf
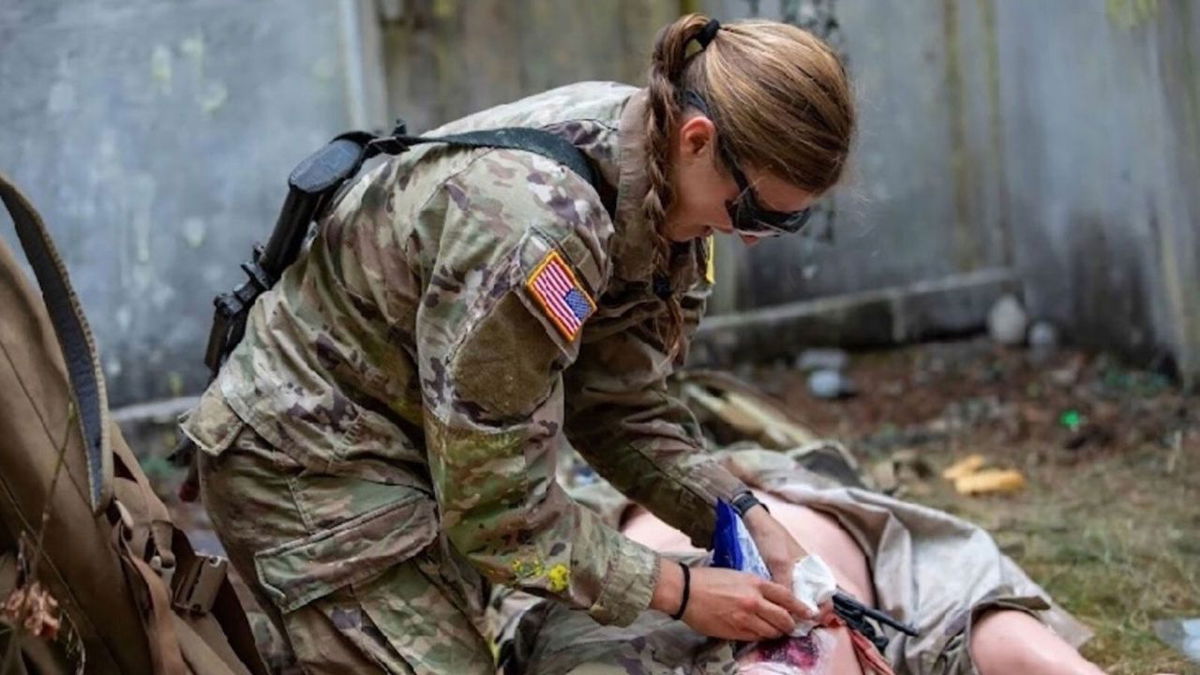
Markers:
point(990, 481)
point(964, 467)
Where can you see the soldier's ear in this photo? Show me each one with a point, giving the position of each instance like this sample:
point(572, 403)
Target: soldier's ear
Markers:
point(697, 137)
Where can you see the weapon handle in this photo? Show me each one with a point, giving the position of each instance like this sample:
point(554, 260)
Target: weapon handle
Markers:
point(850, 603)
point(312, 181)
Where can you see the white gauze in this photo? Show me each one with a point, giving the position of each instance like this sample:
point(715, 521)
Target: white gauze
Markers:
point(813, 585)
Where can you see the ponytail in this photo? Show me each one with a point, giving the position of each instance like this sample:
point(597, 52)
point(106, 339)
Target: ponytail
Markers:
point(666, 72)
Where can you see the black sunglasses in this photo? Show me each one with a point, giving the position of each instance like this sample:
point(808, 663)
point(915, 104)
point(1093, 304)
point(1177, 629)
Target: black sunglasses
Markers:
point(745, 212)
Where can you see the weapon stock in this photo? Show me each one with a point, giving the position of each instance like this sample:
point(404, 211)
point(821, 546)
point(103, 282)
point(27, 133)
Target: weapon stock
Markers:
point(309, 187)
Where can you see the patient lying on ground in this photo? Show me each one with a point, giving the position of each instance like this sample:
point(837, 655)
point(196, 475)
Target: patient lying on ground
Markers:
point(975, 610)
point(1005, 641)
point(824, 650)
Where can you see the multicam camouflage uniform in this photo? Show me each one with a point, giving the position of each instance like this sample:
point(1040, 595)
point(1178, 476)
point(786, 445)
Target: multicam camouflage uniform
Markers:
point(382, 444)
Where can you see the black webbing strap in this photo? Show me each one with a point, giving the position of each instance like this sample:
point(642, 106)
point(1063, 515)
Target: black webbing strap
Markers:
point(514, 138)
point(537, 141)
point(74, 338)
point(312, 186)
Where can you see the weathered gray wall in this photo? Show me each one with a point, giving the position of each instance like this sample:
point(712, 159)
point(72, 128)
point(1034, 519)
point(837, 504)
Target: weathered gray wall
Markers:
point(919, 202)
point(1053, 140)
point(1058, 140)
point(446, 58)
point(1100, 111)
point(156, 138)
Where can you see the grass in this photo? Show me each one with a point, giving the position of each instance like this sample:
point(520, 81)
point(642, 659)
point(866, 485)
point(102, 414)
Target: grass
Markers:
point(1114, 540)
point(1109, 522)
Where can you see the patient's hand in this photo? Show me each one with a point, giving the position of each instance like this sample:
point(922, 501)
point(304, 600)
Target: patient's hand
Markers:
point(778, 548)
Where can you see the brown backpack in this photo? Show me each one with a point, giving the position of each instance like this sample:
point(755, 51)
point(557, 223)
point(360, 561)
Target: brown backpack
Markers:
point(94, 576)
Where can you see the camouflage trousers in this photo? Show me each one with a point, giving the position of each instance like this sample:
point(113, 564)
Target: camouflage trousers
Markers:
point(353, 572)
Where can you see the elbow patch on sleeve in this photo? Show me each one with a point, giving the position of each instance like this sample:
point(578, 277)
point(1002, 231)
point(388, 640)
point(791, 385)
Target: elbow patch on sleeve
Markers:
point(507, 367)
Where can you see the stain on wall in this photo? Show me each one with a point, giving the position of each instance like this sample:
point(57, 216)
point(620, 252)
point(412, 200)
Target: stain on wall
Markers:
point(1106, 223)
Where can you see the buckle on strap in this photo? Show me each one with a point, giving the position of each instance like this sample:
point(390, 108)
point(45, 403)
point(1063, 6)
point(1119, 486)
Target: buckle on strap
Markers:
point(199, 584)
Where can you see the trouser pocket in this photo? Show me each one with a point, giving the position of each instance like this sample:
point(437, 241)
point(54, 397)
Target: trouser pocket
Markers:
point(303, 570)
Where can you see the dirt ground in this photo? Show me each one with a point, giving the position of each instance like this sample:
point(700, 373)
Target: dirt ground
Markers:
point(1109, 521)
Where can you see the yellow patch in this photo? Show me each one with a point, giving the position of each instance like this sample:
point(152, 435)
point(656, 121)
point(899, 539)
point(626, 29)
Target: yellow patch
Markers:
point(525, 568)
point(562, 298)
point(559, 577)
point(710, 253)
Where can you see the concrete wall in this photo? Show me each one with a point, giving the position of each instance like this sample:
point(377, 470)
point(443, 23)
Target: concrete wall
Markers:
point(445, 58)
point(1100, 115)
point(156, 138)
point(1059, 139)
point(917, 203)
point(1054, 143)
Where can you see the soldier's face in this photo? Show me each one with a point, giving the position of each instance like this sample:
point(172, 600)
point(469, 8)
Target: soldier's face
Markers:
point(704, 186)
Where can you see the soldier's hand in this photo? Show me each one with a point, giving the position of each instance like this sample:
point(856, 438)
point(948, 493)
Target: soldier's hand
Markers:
point(731, 605)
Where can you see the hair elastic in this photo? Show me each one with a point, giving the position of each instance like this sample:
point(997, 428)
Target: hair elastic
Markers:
point(707, 33)
point(687, 592)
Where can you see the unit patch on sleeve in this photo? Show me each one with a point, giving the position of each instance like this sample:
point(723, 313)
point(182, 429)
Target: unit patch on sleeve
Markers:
point(560, 295)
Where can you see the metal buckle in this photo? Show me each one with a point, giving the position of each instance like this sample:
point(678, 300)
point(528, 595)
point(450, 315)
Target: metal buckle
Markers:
point(199, 584)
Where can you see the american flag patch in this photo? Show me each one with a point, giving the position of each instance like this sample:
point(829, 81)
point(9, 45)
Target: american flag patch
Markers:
point(554, 286)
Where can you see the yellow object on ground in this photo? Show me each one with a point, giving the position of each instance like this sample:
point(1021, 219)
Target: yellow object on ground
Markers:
point(989, 480)
point(964, 467)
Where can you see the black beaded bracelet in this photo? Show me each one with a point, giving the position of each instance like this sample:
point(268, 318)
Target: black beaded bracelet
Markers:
point(687, 590)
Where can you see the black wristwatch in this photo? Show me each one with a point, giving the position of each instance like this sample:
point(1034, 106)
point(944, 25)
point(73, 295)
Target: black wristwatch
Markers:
point(744, 501)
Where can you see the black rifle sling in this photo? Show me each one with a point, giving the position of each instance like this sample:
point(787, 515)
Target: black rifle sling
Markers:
point(537, 141)
point(74, 338)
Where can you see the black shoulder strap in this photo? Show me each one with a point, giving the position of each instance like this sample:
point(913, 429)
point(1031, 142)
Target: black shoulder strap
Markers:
point(544, 143)
point(74, 338)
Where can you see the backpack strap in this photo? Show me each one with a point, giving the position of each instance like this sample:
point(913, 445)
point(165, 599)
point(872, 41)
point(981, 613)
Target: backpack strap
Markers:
point(74, 338)
point(147, 543)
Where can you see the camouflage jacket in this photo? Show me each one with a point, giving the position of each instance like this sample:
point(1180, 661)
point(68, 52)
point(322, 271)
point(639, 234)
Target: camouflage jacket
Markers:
point(463, 314)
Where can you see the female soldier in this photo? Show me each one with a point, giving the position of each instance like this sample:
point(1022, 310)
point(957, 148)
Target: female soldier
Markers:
point(382, 443)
